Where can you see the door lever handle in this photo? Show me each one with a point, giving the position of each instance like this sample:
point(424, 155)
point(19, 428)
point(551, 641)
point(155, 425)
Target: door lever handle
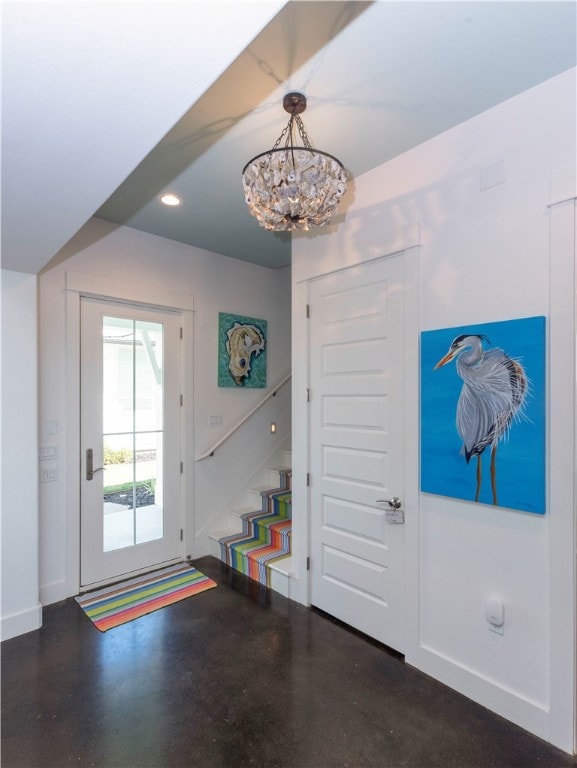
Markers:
point(90, 471)
point(394, 503)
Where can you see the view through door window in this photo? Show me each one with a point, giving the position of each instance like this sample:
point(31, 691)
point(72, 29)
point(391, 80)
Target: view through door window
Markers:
point(132, 432)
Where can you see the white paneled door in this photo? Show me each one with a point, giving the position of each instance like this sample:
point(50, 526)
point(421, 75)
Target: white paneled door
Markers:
point(356, 439)
point(130, 439)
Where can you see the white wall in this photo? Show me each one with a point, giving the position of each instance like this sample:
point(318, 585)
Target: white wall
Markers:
point(484, 256)
point(20, 610)
point(128, 264)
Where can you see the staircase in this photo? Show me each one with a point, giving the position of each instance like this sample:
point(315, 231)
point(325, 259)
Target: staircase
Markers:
point(258, 541)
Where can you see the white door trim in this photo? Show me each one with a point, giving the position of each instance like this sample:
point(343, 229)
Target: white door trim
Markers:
point(77, 285)
point(412, 493)
point(562, 471)
point(108, 289)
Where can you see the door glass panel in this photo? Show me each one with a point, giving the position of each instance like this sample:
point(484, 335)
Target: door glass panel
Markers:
point(148, 382)
point(149, 502)
point(132, 432)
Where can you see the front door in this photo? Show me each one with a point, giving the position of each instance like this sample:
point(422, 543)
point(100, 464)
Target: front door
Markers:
point(357, 465)
point(130, 439)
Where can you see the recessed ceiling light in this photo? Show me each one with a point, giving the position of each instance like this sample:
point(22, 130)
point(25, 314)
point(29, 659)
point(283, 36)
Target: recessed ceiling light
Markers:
point(170, 199)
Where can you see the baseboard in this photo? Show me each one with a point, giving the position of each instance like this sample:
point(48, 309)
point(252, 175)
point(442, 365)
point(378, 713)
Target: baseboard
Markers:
point(523, 712)
point(19, 623)
point(298, 589)
point(199, 548)
point(57, 591)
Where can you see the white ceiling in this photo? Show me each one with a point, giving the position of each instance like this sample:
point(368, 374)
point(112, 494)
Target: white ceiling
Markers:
point(87, 101)
point(88, 88)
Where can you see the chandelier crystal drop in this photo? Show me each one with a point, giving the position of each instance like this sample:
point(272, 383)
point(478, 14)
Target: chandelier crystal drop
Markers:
point(293, 187)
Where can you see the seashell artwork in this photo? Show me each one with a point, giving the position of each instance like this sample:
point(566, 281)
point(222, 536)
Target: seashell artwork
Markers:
point(241, 351)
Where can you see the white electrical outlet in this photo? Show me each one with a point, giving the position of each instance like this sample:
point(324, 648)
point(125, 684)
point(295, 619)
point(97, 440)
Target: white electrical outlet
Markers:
point(495, 615)
point(492, 175)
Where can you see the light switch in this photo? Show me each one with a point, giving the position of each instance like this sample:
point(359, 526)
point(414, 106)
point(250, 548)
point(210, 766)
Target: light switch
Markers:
point(47, 452)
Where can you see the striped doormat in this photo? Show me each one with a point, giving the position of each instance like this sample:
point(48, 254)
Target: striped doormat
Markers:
point(128, 600)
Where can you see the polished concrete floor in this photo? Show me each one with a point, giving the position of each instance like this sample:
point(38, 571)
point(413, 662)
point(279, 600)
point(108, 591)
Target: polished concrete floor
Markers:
point(237, 676)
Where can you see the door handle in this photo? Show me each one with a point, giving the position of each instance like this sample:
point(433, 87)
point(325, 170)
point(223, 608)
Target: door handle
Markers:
point(90, 471)
point(394, 503)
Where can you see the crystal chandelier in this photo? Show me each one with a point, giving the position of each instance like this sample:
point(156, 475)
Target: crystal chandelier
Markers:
point(293, 187)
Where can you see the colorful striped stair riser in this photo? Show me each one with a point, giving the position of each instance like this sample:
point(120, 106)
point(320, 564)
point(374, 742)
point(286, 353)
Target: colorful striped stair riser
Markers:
point(265, 536)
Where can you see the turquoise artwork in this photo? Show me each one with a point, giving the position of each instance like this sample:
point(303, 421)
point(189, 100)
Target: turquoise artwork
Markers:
point(242, 345)
point(483, 413)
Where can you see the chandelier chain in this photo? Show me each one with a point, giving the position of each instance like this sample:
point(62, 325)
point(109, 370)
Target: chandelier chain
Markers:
point(288, 132)
point(302, 131)
point(283, 134)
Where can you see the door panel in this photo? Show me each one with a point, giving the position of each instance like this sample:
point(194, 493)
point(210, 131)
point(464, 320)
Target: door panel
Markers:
point(356, 421)
point(130, 422)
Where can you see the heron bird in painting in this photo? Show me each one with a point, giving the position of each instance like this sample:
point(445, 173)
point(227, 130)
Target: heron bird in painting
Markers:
point(493, 394)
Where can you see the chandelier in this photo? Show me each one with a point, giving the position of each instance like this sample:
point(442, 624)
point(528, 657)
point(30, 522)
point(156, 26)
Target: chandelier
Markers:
point(293, 187)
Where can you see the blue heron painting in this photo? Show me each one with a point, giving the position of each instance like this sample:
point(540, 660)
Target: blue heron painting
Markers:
point(491, 397)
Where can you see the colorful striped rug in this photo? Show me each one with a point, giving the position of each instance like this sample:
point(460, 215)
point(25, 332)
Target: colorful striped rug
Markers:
point(128, 600)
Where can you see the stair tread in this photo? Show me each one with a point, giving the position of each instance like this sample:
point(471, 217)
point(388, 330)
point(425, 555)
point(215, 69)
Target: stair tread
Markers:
point(216, 535)
point(282, 565)
point(239, 511)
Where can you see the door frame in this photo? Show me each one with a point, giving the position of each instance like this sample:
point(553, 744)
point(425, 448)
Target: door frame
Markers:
point(300, 588)
point(105, 289)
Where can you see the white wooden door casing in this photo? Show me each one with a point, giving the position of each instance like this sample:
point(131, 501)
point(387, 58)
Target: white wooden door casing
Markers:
point(357, 447)
point(97, 566)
